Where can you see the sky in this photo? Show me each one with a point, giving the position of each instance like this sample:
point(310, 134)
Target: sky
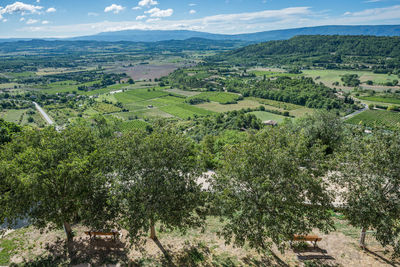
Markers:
point(68, 18)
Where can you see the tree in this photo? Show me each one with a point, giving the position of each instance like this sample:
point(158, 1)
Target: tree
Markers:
point(131, 81)
point(323, 127)
point(369, 171)
point(157, 175)
point(7, 129)
point(269, 188)
point(59, 178)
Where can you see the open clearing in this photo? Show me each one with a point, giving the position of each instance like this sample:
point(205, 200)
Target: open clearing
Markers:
point(265, 116)
point(328, 77)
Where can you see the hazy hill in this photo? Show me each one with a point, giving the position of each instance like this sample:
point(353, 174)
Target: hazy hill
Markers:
point(154, 36)
point(329, 51)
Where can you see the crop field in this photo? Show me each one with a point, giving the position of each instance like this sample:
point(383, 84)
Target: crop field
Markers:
point(134, 124)
point(105, 108)
point(265, 116)
point(373, 118)
point(182, 92)
point(185, 111)
point(389, 100)
point(220, 97)
point(328, 77)
point(217, 107)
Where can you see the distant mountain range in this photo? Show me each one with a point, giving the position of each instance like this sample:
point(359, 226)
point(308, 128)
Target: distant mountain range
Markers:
point(156, 35)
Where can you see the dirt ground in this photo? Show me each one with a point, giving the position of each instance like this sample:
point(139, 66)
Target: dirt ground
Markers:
point(195, 248)
point(145, 72)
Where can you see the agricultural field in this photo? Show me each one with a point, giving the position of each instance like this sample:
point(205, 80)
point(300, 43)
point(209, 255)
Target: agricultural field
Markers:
point(328, 77)
point(220, 97)
point(380, 118)
point(390, 100)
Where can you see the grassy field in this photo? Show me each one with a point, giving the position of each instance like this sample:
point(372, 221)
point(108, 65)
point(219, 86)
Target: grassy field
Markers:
point(217, 107)
point(277, 104)
point(220, 97)
point(265, 116)
point(373, 118)
point(328, 77)
point(182, 92)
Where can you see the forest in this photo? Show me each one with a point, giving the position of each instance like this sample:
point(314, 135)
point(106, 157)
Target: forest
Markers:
point(380, 54)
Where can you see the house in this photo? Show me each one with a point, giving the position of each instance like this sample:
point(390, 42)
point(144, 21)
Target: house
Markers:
point(270, 122)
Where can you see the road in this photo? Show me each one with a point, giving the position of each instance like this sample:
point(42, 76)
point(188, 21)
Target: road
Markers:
point(356, 112)
point(44, 114)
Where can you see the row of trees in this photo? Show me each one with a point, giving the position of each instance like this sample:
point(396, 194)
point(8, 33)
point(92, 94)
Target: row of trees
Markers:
point(269, 185)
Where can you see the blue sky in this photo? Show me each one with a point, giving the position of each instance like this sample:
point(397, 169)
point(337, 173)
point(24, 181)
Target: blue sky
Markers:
point(65, 18)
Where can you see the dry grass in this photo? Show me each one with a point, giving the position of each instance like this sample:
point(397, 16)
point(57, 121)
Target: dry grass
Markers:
point(195, 248)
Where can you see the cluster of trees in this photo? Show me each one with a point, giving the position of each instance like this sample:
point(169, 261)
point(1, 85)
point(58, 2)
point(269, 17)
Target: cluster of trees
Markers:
point(301, 91)
point(351, 80)
point(269, 184)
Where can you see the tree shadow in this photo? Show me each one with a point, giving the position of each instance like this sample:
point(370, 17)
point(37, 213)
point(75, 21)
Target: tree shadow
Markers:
point(379, 257)
point(312, 253)
point(81, 250)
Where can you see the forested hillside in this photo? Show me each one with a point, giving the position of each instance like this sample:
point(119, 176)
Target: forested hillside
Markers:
point(322, 51)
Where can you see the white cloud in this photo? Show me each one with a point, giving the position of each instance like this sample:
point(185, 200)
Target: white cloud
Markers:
point(21, 8)
point(136, 8)
point(153, 20)
point(93, 14)
point(192, 11)
point(22, 19)
point(158, 13)
point(265, 20)
point(147, 3)
point(44, 22)
point(141, 17)
point(192, 4)
point(32, 21)
point(51, 10)
point(114, 8)
point(4, 20)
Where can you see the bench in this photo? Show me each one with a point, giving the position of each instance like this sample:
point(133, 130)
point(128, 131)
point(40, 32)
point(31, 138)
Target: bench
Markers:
point(312, 238)
point(93, 234)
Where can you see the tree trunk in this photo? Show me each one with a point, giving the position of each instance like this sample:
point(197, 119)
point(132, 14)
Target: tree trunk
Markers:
point(362, 237)
point(153, 231)
point(68, 231)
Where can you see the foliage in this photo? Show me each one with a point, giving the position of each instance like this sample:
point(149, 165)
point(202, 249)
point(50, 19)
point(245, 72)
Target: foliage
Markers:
point(324, 128)
point(351, 80)
point(55, 177)
point(270, 188)
point(7, 129)
point(368, 167)
point(332, 51)
point(157, 175)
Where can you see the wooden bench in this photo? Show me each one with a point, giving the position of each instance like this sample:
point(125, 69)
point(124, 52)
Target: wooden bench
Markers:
point(93, 234)
point(312, 238)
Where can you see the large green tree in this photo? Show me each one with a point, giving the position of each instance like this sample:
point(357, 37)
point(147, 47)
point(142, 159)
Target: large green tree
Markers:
point(56, 178)
point(270, 188)
point(157, 175)
point(369, 173)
